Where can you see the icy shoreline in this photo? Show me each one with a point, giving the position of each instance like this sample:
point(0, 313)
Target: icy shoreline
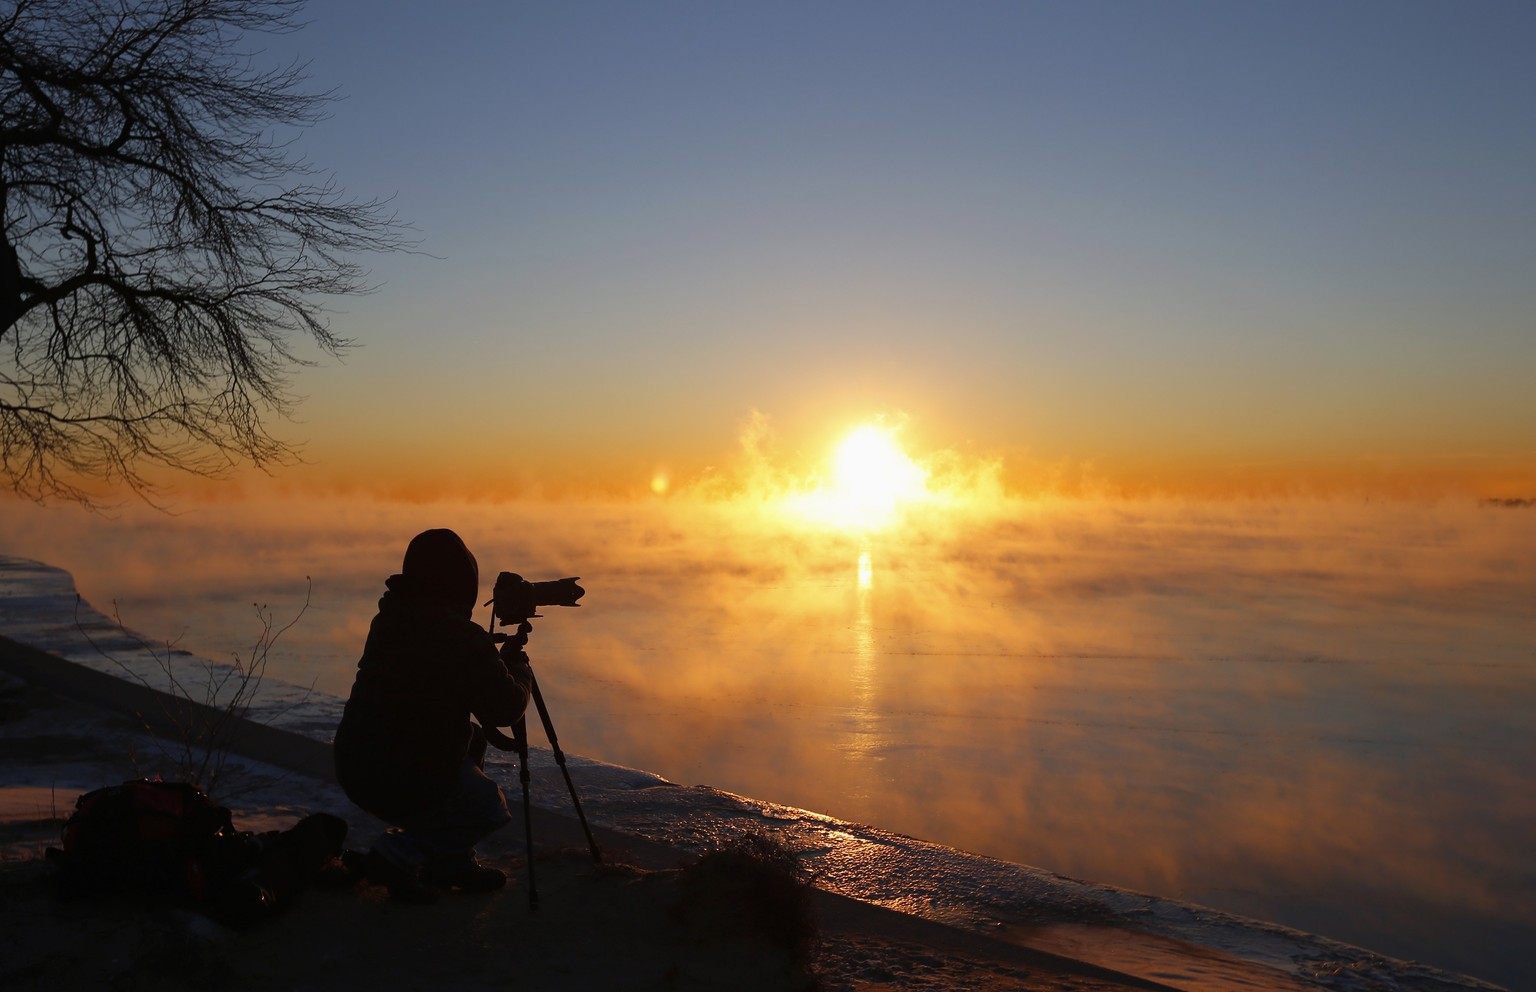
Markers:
point(1168, 940)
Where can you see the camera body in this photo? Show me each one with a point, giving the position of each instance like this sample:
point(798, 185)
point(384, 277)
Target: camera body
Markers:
point(516, 600)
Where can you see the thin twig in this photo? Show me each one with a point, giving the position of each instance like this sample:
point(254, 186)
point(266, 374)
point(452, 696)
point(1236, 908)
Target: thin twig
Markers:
point(201, 731)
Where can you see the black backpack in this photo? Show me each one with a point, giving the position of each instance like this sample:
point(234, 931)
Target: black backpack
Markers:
point(157, 838)
point(167, 841)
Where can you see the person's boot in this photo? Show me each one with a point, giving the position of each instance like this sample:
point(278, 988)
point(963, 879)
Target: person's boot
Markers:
point(404, 885)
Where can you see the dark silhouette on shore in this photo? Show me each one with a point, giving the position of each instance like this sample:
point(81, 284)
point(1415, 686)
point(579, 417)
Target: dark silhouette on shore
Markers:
point(406, 750)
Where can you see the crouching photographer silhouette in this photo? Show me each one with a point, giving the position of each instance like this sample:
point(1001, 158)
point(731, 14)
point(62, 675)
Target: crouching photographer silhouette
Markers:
point(406, 750)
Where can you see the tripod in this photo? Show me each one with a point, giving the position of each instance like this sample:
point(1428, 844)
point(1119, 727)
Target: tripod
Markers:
point(512, 651)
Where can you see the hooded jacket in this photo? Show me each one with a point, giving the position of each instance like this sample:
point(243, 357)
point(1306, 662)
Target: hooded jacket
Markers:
point(425, 669)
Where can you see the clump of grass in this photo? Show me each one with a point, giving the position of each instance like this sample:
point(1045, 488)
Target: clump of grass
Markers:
point(754, 886)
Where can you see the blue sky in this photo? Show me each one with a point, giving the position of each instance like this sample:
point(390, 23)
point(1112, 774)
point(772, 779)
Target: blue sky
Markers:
point(1235, 233)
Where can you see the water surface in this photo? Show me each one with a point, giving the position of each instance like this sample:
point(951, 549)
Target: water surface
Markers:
point(1315, 713)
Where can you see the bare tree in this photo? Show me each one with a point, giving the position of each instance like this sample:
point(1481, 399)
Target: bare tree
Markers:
point(166, 250)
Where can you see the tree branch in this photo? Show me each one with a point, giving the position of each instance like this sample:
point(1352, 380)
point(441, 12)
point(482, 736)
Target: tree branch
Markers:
point(161, 248)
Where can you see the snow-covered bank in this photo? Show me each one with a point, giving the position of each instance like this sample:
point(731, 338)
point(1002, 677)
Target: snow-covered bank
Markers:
point(1178, 943)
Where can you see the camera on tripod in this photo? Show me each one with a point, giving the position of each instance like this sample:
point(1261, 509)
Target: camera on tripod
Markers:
point(516, 600)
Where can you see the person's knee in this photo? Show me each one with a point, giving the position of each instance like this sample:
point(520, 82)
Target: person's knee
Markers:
point(477, 746)
point(482, 799)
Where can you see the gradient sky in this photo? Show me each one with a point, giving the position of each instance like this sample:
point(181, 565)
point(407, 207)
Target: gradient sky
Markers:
point(1156, 240)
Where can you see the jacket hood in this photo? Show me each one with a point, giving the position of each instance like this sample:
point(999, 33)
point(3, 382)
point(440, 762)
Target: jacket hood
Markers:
point(439, 567)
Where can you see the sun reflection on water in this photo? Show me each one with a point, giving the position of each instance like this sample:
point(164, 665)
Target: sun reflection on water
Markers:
point(865, 740)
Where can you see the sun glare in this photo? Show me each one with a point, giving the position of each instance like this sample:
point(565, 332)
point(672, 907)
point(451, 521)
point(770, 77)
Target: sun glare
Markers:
point(872, 477)
point(870, 469)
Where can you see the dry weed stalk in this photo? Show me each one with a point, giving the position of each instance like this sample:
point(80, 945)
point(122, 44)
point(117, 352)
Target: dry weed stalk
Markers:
point(197, 719)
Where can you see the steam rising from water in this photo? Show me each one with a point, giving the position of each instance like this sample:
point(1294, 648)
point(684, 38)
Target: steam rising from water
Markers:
point(1316, 712)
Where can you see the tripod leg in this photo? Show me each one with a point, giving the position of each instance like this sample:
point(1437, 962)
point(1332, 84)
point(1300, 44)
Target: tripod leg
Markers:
point(554, 746)
point(521, 730)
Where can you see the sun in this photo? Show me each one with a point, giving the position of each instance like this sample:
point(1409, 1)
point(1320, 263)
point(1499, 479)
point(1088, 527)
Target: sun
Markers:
point(866, 484)
point(870, 467)
point(872, 477)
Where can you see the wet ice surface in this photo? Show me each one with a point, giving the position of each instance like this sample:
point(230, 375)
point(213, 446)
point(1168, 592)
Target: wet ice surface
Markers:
point(1137, 932)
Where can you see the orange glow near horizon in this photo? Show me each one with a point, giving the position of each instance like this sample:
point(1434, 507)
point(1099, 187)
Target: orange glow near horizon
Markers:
point(865, 479)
